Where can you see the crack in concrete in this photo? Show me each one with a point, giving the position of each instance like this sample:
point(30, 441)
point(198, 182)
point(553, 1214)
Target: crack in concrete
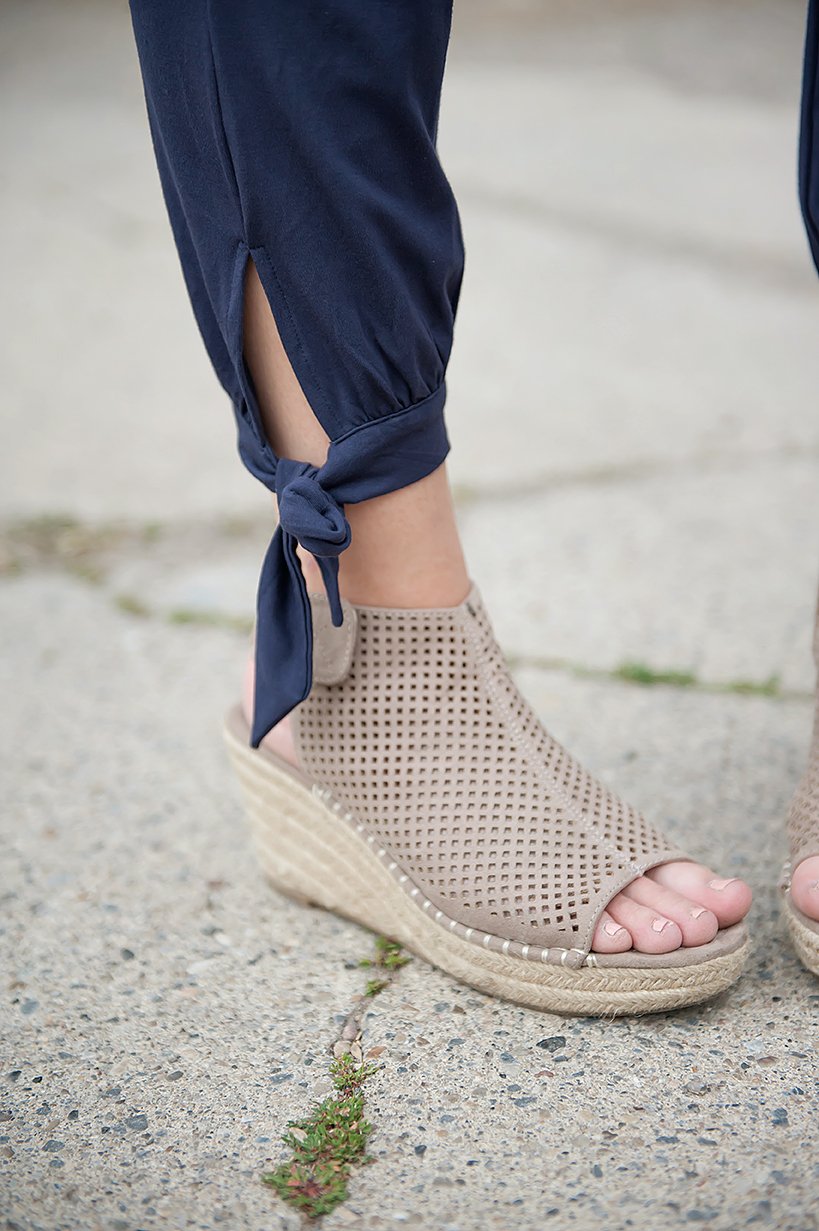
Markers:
point(641, 675)
point(84, 551)
point(89, 549)
point(61, 538)
point(330, 1143)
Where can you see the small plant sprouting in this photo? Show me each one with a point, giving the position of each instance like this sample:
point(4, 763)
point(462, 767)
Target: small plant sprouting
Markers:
point(348, 1076)
point(388, 956)
point(639, 673)
point(332, 1140)
point(327, 1144)
point(756, 688)
point(132, 605)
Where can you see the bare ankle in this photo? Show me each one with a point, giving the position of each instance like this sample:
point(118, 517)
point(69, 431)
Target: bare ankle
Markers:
point(280, 739)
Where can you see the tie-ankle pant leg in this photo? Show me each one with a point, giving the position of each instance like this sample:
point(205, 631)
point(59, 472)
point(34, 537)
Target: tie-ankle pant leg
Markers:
point(809, 133)
point(301, 135)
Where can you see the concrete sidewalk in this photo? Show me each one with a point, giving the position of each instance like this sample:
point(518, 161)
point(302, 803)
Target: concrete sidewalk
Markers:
point(640, 307)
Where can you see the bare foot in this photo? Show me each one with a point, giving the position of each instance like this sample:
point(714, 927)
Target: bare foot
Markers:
point(677, 904)
point(805, 886)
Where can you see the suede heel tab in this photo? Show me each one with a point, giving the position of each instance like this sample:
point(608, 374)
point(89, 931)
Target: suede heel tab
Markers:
point(333, 648)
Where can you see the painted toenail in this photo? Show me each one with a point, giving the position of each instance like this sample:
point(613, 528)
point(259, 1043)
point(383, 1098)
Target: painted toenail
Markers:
point(720, 884)
point(612, 929)
point(697, 911)
point(657, 925)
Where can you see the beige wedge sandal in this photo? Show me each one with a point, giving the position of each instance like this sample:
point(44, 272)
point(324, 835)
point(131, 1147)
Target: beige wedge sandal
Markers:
point(803, 837)
point(433, 807)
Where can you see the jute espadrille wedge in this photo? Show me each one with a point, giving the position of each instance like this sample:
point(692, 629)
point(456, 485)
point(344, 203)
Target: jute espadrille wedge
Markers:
point(803, 839)
point(433, 807)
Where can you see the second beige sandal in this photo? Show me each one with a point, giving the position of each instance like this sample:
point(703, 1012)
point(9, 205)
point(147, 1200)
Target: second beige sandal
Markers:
point(803, 837)
point(434, 808)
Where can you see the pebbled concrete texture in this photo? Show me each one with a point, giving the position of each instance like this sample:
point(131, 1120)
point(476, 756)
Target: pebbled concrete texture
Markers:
point(167, 1013)
point(640, 305)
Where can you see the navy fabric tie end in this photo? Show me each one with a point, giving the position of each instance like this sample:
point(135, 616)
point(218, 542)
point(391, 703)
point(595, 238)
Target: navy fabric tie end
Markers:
point(309, 515)
point(314, 518)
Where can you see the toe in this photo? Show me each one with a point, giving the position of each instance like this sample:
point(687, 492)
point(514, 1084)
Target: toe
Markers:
point(729, 898)
point(610, 937)
point(698, 925)
point(805, 886)
point(650, 931)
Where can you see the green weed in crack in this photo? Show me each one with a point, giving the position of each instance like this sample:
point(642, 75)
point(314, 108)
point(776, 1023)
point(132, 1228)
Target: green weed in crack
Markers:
point(388, 955)
point(326, 1144)
point(332, 1140)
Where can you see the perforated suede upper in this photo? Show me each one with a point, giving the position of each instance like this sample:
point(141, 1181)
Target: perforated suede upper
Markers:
point(428, 741)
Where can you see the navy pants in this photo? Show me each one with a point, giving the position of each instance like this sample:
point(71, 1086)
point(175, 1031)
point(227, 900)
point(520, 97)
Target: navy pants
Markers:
point(301, 135)
point(809, 133)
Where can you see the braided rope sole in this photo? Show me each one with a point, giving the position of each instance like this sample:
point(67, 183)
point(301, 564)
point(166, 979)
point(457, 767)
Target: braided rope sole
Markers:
point(307, 854)
point(804, 941)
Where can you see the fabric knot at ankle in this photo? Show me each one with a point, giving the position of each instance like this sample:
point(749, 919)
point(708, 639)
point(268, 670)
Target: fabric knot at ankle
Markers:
point(316, 520)
point(313, 517)
point(369, 460)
